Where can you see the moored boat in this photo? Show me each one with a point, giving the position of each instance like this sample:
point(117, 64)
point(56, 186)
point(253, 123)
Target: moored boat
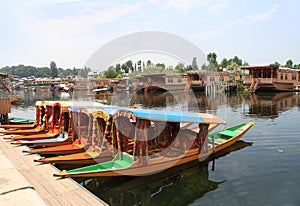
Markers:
point(51, 126)
point(65, 136)
point(171, 147)
point(43, 120)
point(20, 121)
point(81, 131)
point(99, 149)
point(27, 126)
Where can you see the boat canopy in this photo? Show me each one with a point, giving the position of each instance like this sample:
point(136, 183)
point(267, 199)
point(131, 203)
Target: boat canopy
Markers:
point(171, 116)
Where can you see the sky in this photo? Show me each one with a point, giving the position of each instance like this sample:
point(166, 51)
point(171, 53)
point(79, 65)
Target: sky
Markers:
point(35, 32)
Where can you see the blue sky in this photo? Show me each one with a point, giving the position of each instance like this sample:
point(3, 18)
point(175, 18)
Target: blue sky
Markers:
point(68, 32)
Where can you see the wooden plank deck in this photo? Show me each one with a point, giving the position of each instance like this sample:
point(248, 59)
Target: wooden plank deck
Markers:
point(53, 191)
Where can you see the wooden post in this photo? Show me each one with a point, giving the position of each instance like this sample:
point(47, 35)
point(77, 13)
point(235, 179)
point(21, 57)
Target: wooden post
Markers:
point(4, 110)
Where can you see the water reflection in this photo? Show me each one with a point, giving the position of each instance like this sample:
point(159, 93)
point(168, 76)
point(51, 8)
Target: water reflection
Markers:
point(177, 186)
point(261, 105)
point(29, 96)
point(270, 105)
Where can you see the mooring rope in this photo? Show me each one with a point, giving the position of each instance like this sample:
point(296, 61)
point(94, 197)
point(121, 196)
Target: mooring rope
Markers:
point(14, 190)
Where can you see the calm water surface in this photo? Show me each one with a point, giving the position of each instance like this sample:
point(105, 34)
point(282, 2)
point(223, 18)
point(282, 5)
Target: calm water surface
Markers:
point(261, 169)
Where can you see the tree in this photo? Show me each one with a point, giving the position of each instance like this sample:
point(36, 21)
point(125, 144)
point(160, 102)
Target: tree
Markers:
point(149, 64)
point(224, 63)
point(245, 63)
point(53, 69)
point(212, 59)
point(180, 67)
point(124, 67)
point(194, 64)
point(129, 65)
point(118, 68)
point(237, 61)
point(289, 63)
point(161, 65)
point(296, 66)
point(111, 73)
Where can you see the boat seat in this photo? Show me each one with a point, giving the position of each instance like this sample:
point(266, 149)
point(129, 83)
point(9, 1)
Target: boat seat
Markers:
point(229, 133)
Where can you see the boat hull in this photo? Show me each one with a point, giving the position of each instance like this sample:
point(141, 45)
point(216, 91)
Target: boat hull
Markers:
point(75, 147)
point(19, 126)
point(23, 132)
point(83, 158)
point(35, 136)
point(38, 143)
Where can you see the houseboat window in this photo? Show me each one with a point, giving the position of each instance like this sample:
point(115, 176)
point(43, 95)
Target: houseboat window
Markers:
point(294, 77)
point(212, 78)
point(179, 80)
point(286, 77)
point(170, 80)
point(221, 79)
point(281, 76)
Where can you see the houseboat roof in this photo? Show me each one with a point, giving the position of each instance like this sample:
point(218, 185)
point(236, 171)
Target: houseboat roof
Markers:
point(4, 75)
point(260, 67)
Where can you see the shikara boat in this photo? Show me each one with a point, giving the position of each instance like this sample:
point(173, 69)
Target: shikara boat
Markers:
point(38, 108)
point(99, 149)
point(151, 155)
point(51, 127)
point(81, 131)
point(65, 136)
point(20, 120)
point(46, 116)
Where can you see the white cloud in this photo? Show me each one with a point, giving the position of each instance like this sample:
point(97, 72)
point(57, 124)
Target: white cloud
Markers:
point(218, 7)
point(185, 5)
point(262, 16)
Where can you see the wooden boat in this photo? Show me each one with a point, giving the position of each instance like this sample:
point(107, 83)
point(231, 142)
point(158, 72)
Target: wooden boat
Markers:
point(65, 136)
point(145, 159)
point(98, 152)
point(62, 139)
point(43, 122)
point(20, 121)
point(82, 131)
point(51, 127)
point(27, 126)
point(99, 149)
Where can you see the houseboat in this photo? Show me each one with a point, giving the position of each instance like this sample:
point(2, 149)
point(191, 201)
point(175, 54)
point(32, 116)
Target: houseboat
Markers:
point(272, 78)
point(159, 82)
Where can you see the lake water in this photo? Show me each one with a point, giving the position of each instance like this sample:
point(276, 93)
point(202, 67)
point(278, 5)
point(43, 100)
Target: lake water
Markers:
point(261, 169)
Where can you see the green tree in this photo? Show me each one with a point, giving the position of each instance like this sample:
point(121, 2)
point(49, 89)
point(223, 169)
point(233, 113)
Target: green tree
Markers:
point(124, 67)
point(224, 63)
point(237, 61)
point(118, 68)
point(212, 59)
point(180, 68)
point(129, 65)
point(148, 64)
point(111, 73)
point(53, 69)
point(194, 64)
point(161, 66)
point(296, 66)
point(289, 63)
